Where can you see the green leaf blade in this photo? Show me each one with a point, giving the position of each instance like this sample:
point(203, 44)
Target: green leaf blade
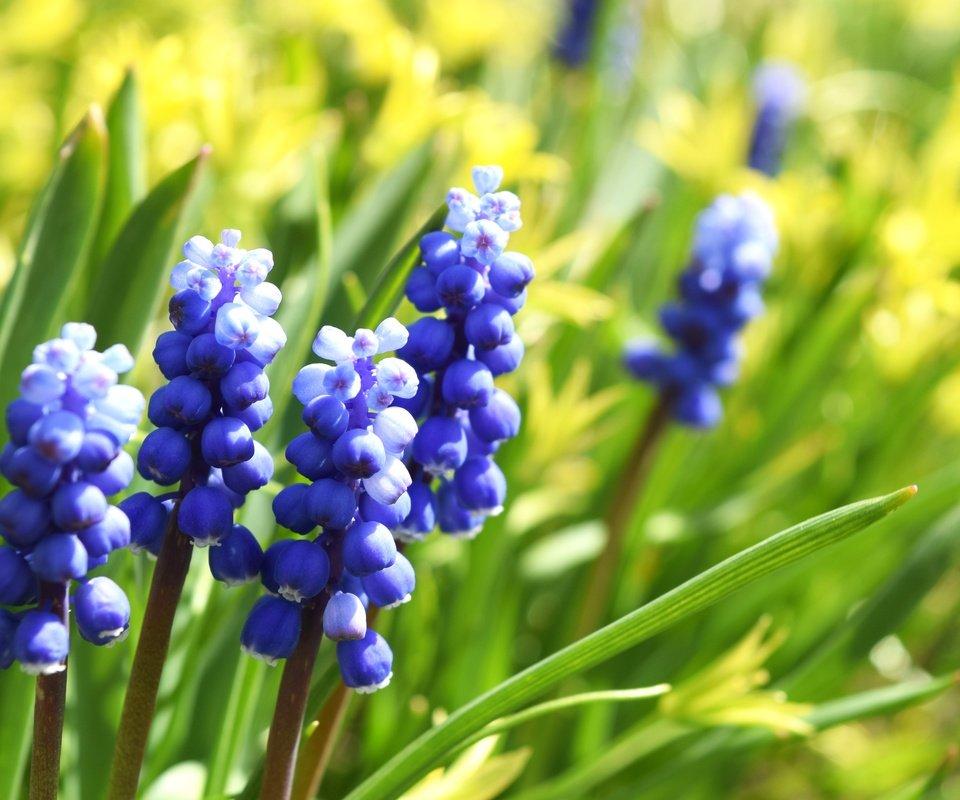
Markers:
point(50, 265)
point(699, 592)
point(388, 291)
point(136, 269)
point(126, 165)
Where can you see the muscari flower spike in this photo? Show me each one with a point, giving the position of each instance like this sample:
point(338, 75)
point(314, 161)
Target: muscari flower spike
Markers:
point(479, 285)
point(352, 454)
point(217, 397)
point(572, 45)
point(780, 93)
point(734, 245)
point(67, 430)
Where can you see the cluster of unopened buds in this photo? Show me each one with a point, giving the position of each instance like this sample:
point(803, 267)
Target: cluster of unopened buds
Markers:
point(733, 250)
point(352, 455)
point(65, 457)
point(372, 476)
point(480, 286)
point(217, 396)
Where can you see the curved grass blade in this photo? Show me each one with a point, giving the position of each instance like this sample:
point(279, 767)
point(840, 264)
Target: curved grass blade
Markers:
point(699, 592)
point(388, 291)
point(126, 165)
point(50, 264)
point(16, 709)
point(721, 744)
point(306, 291)
point(562, 703)
point(134, 275)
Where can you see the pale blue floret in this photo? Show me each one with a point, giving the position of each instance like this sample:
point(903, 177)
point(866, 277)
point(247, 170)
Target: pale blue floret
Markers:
point(236, 326)
point(487, 179)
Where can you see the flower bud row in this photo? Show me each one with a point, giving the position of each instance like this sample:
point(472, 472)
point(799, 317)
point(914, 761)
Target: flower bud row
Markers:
point(65, 457)
point(352, 454)
point(733, 250)
point(479, 286)
point(216, 398)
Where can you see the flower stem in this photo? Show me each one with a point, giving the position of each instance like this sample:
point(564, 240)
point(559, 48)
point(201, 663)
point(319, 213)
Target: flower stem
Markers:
point(291, 706)
point(48, 710)
point(317, 750)
point(619, 513)
point(169, 575)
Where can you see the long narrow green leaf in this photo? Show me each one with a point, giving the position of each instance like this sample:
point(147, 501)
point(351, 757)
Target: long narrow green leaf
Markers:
point(16, 711)
point(884, 612)
point(699, 592)
point(388, 291)
point(563, 703)
point(54, 249)
point(126, 165)
point(646, 738)
point(305, 295)
point(366, 235)
point(135, 272)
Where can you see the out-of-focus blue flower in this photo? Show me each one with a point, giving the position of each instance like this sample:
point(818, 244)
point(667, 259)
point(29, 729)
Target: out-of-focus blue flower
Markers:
point(734, 245)
point(65, 457)
point(572, 45)
point(780, 93)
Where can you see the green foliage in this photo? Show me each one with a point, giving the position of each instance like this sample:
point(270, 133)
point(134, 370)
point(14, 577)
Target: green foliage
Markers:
point(336, 157)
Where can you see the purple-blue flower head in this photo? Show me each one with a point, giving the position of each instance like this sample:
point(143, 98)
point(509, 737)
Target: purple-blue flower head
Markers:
point(353, 454)
point(733, 248)
point(67, 432)
point(780, 93)
point(216, 399)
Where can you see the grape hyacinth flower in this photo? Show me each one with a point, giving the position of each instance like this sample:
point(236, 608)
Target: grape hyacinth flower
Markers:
point(480, 286)
point(572, 46)
point(65, 457)
point(733, 249)
point(352, 455)
point(780, 93)
point(216, 398)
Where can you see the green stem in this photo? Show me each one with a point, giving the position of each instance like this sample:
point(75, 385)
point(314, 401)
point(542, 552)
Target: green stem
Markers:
point(284, 739)
point(140, 702)
point(619, 513)
point(561, 703)
point(50, 702)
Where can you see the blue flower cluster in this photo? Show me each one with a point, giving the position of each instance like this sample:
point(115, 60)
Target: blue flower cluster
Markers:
point(217, 396)
point(780, 93)
point(64, 456)
point(572, 46)
point(353, 456)
point(480, 287)
point(733, 250)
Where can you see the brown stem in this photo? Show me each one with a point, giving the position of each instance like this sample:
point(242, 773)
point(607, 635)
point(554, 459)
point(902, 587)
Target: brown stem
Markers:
point(291, 706)
point(315, 756)
point(316, 752)
point(48, 710)
point(173, 563)
point(619, 513)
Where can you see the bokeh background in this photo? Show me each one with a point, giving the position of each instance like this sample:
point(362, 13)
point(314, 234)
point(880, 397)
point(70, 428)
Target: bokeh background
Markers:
point(334, 129)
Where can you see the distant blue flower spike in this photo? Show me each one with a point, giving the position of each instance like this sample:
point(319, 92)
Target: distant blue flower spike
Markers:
point(780, 92)
point(733, 249)
point(572, 45)
point(67, 432)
